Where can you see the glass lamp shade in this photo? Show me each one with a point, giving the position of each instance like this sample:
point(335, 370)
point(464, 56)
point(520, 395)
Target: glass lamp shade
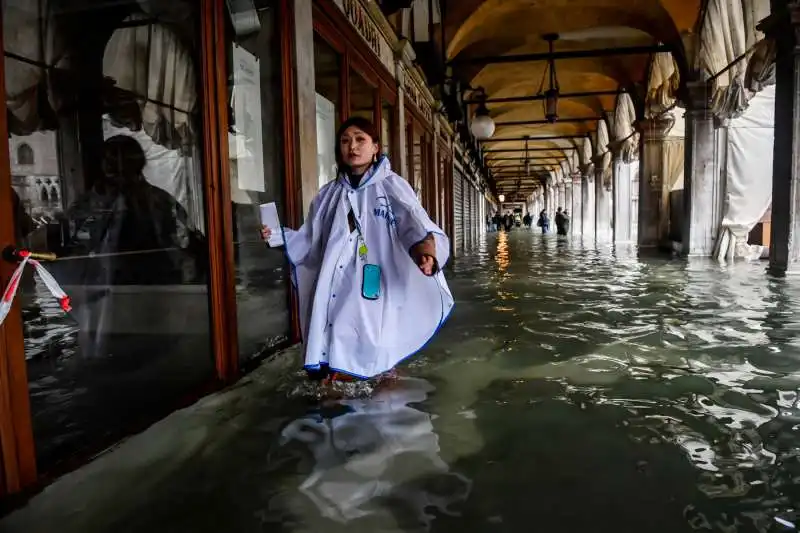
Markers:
point(551, 105)
point(501, 198)
point(482, 127)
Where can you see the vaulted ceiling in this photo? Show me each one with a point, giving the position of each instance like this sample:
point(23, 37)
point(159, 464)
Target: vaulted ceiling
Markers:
point(478, 31)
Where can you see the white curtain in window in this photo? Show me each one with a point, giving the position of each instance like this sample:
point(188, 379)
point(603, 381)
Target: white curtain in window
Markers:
point(748, 175)
point(623, 128)
point(31, 32)
point(151, 62)
point(728, 32)
point(662, 85)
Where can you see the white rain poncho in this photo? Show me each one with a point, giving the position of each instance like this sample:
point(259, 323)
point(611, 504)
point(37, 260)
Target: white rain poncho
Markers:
point(342, 329)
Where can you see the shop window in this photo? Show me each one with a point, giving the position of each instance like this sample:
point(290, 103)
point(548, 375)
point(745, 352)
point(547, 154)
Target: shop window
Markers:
point(120, 106)
point(415, 160)
point(387, 130)
point(25, 154)
point(362, 98)
point(255, 151)
point(327, 76)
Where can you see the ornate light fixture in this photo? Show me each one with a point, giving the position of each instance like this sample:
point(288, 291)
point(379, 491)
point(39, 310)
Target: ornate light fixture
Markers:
point(501, 198)
point(551, 94)
point(482, 125)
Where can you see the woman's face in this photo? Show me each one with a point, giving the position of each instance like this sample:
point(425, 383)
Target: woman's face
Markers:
point(357, 148)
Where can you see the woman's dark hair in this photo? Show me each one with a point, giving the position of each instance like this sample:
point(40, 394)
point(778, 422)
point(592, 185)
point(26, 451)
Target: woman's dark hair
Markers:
point(124, 157)
point(361, 123)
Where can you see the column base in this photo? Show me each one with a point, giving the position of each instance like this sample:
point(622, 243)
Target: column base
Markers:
point(781, 271)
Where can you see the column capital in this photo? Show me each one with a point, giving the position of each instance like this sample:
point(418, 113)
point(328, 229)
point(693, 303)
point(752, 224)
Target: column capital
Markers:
point(587, 169)
point(655, 129)
point(624, 149)
point(699, 94)
point(782, 23)
point(576, 176)
point(597, 160)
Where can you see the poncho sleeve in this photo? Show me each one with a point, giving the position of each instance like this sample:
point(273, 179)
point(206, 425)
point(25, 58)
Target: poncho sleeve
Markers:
point(413, 223)
point(300, 243)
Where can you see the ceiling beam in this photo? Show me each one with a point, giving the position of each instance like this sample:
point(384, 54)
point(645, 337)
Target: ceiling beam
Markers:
point(564, 54)
point(513, 177)
point(521, 164)
point(517, 150)
point(522, 158)
point(545, 121)
point(497, 171)
point(529, 138)
point(539, 97)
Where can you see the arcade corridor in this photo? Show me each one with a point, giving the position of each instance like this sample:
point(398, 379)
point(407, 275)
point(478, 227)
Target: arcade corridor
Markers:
point(575, 389)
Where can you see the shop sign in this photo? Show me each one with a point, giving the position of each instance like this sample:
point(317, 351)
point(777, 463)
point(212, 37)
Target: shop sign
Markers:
point(415, 93)
point(362, 20)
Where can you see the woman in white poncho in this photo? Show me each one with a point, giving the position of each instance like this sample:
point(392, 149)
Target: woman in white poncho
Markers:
point(367, 265)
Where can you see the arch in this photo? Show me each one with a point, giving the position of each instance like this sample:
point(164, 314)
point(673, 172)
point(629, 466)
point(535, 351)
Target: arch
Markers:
point(44, 197)
point(493, 18)
point(25, 155)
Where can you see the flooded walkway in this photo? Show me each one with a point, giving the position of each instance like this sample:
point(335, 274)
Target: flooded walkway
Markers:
point(572, 390)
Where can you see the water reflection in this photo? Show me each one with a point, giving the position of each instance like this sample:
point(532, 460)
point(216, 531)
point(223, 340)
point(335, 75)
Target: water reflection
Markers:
point(695, 360)
point(574, 389)
point(374, 456)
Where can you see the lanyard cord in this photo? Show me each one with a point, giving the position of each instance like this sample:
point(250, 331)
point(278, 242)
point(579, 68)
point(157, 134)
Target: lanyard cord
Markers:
point(362, 243)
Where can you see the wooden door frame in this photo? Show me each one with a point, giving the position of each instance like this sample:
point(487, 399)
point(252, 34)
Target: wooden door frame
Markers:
point(18, 469)
point(217, 191)
point(17, 449)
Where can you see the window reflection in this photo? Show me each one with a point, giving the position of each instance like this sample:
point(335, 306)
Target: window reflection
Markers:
point(256, 164)
point(362, 97)
point(327, 75)
point(387, 127)
point(111, 182)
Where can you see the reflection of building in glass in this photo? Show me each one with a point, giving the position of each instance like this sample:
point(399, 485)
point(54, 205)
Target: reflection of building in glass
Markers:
point(35, 174)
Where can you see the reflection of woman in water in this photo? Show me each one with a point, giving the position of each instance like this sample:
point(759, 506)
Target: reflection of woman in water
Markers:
point(379, 449)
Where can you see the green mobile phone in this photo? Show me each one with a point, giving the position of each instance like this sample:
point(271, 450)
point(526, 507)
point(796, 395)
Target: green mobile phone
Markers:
point(371, 282)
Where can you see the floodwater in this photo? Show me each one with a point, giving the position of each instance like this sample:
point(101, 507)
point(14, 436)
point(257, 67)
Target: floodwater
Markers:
point(574, 389)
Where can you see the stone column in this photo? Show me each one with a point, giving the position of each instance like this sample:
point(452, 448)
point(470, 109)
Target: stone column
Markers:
point(588, 203)
point(400, 129)
point(783, 26)
point(577, 203)
point(436, 213)
point(621, 197)
point(602, 212)
point(568, 201)
point(702, 195)
point(308, 170)
point(653, 228)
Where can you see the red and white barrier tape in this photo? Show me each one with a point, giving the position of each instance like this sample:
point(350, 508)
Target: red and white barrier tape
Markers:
point(51, 283)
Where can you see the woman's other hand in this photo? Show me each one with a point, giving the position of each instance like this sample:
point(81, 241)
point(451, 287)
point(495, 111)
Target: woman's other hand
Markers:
point(424, 255)
point(266, 233)
point(427, 264)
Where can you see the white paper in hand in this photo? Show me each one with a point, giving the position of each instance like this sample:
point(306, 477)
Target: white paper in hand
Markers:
point(269, 218)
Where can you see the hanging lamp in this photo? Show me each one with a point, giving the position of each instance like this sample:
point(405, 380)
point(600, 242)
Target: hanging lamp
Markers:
point(482, 125)
point(551, 94)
